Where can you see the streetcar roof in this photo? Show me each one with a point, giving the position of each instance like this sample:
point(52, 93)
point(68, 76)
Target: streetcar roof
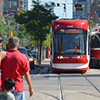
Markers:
point(94, 33)
point(79, 24)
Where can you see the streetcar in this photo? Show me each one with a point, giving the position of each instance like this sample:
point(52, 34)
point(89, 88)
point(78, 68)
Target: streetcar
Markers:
point(69, 45)
point(95, 47)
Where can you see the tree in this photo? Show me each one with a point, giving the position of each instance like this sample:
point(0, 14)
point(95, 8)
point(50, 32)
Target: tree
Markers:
point(9, 24)
point(91, 23)
point(37, 22)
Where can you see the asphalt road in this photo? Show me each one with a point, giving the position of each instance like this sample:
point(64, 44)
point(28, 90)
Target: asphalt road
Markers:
point(64, 86)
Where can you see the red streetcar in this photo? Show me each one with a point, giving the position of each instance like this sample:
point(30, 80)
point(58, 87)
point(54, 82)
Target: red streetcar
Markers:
point(95, 48)
point(69, 45)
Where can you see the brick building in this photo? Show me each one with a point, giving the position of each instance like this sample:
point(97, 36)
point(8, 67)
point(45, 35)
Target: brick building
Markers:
point(10, 7)
point(1, 8)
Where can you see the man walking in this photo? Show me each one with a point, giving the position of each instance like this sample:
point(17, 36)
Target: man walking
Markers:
point(13, 64)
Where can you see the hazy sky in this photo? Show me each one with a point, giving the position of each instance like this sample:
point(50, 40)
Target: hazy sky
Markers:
point(59, 11)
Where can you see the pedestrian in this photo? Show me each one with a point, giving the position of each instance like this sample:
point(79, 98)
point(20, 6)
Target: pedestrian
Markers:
point(9, 85)
point(1, 40)
point(13, 64)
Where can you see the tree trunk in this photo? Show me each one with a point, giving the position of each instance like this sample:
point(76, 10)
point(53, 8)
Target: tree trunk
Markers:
point(38, 56)
point(40, 53)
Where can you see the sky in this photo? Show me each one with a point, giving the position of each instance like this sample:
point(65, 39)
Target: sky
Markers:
point(59, 10)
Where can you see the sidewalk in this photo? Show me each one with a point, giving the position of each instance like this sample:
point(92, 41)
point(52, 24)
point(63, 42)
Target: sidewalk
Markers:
point(45, 65)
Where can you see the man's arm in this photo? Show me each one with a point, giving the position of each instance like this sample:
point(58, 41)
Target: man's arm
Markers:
point(28, 79)
point(2, 56)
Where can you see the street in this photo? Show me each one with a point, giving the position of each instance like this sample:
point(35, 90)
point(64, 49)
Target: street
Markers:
point(64, 86)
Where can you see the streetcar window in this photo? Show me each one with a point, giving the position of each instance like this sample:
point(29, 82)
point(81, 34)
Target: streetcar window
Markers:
point(73, 43)
point(95, 41)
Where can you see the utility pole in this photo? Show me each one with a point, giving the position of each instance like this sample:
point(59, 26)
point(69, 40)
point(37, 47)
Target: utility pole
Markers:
point(58, 4)
point(65, 9)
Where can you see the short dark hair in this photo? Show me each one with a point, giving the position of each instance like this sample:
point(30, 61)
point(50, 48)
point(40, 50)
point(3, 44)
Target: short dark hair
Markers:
point(9, 83)
point(13, 42)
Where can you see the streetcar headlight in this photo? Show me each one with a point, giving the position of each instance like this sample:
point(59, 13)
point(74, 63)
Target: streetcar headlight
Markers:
point(82, 57)
point(58, 57)
point(78, 57)
point(61, 57)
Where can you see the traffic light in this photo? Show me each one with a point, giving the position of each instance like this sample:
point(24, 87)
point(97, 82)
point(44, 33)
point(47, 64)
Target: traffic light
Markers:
point(78, 6)
point(11, 33)
point(58, 4)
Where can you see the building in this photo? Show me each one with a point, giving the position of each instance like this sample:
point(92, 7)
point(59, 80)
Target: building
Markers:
point(82, 13)
point(1, 8)
point(25, 4)
point(95, 11)
point(91, 10)
point(10, 7)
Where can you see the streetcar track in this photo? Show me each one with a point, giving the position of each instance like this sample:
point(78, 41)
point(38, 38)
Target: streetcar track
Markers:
point(60, 88)
point(91, 83)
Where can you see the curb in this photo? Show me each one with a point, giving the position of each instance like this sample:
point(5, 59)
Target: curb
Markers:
point(45, 68)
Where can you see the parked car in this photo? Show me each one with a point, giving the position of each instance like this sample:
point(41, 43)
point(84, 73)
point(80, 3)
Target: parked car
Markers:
point(30, 58)
point(34, 53)
point(29, 52)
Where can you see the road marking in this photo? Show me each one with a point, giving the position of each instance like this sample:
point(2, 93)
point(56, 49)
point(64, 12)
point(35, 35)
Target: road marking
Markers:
point(39, 72)
point(60, 87)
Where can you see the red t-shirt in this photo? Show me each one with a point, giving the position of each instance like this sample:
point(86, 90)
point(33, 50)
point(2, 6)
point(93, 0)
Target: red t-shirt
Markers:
point(12, 66)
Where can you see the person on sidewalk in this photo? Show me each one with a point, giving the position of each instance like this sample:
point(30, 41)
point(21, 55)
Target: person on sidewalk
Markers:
point(13, 64)
point(9, 85)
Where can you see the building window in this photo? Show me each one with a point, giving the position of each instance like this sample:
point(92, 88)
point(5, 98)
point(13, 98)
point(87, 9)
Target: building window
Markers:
point(3, 3)
point(1, 8)
point(82, 0)
point(13, 12)
point(7, 12)
point(14, 3)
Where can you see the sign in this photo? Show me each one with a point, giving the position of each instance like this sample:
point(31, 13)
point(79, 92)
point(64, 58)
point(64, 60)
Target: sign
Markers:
point(69, 31)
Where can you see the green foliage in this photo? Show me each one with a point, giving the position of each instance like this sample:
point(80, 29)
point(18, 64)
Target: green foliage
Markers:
point(47, 41)
point(7, 24)
point(37, 21)
point(92, 23)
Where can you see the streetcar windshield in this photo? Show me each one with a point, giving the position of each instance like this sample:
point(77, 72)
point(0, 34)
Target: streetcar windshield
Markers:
point(95, 41)
point(70, 41)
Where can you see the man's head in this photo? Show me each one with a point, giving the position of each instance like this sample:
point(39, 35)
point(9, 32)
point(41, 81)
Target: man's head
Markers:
point(13, 42)
point(9, 84)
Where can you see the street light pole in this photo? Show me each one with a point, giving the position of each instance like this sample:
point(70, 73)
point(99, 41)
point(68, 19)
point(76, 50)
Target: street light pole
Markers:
point(58, 4)
point(65, 9)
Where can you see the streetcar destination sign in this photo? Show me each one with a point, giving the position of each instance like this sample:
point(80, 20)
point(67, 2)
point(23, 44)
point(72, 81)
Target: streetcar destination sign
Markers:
point(69, 31)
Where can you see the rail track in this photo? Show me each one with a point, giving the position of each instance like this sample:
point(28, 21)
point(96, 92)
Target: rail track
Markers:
point(61, 86)
point(86, 78)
